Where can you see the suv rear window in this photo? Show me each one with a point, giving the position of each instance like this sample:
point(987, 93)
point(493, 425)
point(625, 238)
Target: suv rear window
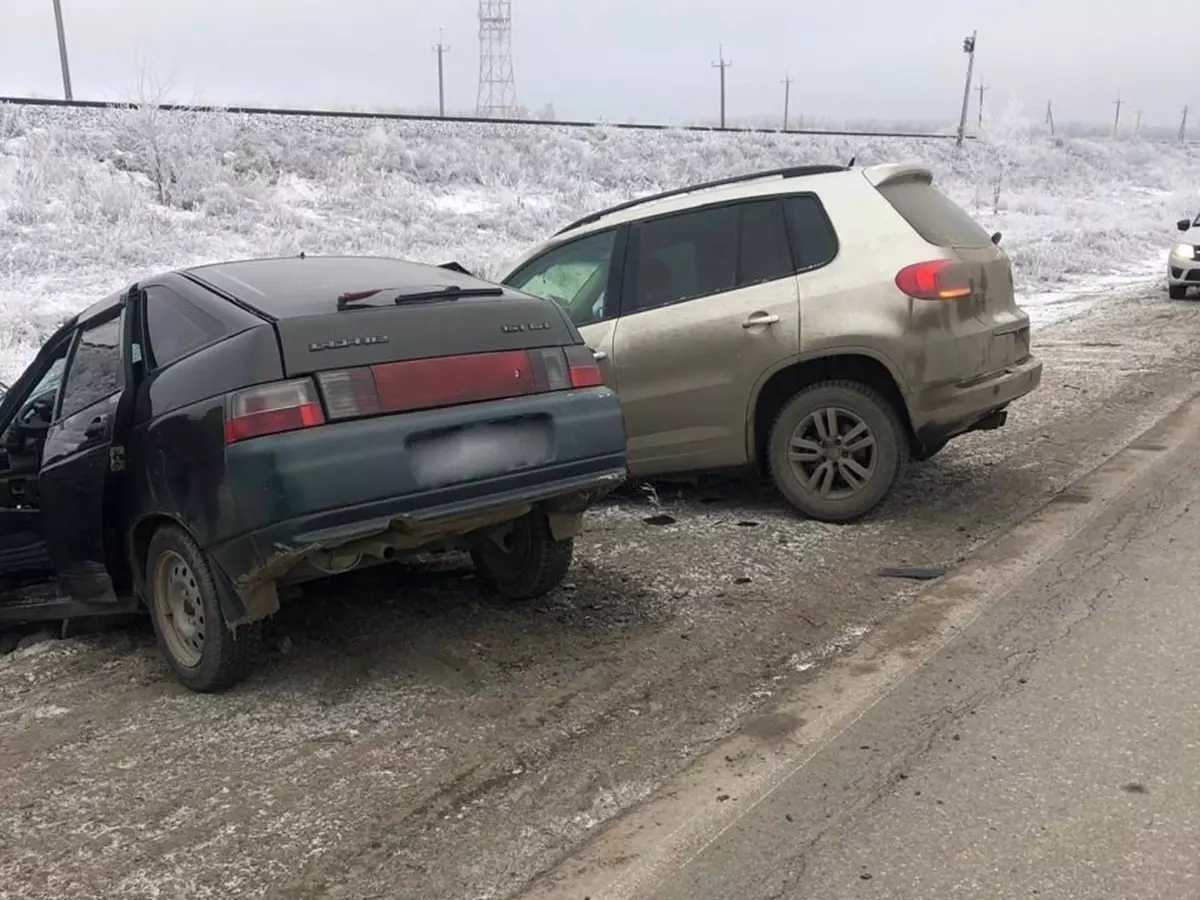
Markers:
point(933, 215)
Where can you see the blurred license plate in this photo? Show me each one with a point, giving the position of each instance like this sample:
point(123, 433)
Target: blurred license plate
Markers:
point(480, 451)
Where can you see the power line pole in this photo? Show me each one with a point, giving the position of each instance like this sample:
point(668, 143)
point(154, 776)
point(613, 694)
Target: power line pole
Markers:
point(62, 50)
point(1137, 128)
point(1050, 115)
point(1117, 121)
point(441, 50)
point(969, 49)
point(787, 98)
point(722, 65)
point(982, 89)
point(1183, 126)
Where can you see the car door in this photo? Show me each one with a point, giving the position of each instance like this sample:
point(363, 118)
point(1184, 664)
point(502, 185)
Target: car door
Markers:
point(582, 276)
point(708, 304)
point(24, 418)
point(80, 458)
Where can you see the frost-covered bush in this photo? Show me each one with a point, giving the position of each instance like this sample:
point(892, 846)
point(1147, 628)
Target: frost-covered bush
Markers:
point(91, 200)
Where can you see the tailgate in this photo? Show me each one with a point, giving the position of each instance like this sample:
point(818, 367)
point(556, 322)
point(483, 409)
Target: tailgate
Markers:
point(391, 332)
point(994, 331)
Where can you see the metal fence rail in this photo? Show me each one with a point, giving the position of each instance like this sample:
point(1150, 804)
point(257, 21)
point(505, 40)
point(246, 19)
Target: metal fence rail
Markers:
point(475, 120)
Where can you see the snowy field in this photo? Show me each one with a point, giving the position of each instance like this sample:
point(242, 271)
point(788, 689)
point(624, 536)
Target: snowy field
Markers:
point(91, 200)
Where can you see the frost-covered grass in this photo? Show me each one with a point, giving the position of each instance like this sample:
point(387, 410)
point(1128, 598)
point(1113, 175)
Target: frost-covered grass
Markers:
point(91, 200)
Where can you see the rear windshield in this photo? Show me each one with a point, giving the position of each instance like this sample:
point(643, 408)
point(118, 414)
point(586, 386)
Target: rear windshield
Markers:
point(933, 215)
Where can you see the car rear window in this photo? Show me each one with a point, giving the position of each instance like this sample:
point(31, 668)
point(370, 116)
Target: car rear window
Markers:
point(933, 215)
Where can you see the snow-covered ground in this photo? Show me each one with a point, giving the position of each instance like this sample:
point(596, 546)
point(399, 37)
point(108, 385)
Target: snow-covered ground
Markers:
point(91, 200)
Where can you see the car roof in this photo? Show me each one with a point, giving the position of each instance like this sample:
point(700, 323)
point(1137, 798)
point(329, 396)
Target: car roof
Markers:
point(754, 184)
point(287, 287)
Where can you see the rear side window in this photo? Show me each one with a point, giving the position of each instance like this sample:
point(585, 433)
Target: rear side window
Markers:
point(175, 327)
point(683, 257)
point(814, 242)
point(95, 372)
point(933, 215)
point(764, 254)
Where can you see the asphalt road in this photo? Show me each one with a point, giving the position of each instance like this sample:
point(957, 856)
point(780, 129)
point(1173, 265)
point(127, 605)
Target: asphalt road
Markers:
point(1050, 749)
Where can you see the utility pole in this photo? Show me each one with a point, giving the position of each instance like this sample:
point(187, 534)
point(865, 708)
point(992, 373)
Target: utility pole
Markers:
point(1117, 120)
point(62, 50)
point(722, 65)
point(1137, 128)
point(969, 49)
point(1050, 115)
point(787, 98)
point(982, 90)
point(441, 50)
point(1183, 126)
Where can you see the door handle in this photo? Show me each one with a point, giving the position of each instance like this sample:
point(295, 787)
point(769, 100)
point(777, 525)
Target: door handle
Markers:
point(760, 319)
point(599, 355)
point(96, 429)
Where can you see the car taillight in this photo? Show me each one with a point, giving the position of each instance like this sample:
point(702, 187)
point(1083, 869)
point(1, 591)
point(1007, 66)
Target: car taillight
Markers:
point(939, 279)
point(272, 409)
point(583, 368)
point(451, 380)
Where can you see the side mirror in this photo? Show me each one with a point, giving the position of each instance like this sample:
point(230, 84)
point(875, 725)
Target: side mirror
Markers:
point(996, 238)
point(1183, 224)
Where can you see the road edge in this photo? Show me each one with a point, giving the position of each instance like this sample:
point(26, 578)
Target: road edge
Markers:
point(632, 853)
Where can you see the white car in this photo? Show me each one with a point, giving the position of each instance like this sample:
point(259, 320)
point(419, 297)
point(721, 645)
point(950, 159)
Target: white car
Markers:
point(1183, 264)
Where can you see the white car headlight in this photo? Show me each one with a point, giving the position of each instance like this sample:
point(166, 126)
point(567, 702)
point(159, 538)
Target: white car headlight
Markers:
point(1187, 251)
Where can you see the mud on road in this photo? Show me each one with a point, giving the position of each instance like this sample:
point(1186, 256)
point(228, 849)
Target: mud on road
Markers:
point(412, 738)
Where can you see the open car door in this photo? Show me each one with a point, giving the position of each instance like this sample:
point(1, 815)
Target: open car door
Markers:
point(81, 462)
point(27, 579)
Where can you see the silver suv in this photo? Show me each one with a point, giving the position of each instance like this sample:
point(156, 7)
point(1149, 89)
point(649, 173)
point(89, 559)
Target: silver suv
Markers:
point(824, 323)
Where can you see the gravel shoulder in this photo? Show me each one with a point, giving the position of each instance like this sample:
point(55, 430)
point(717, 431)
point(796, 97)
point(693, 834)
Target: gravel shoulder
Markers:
point(411, 738)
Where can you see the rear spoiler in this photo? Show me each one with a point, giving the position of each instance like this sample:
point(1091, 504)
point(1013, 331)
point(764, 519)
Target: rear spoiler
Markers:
point(455, 267)
point(888, 173)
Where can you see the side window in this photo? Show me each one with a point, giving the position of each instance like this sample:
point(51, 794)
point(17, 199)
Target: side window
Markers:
point(683, 257)
point(574, 275)
point(39, 402)
point(764, 254)
point(814, 242)
point(95, 371)
point(175, 327)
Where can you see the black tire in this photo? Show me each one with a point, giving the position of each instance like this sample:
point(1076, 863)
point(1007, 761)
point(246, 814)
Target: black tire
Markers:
point(223, 656)
point(1177, 291)
point(853, 405)
point(533, 564)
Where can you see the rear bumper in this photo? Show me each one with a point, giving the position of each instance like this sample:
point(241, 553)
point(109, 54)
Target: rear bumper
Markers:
point(950, 410)
point(365, 487)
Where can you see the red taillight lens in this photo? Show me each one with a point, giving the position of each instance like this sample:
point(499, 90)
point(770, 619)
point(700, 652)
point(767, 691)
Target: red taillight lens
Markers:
point(451, 380)
point(272, 409)
point(582, 366)
point(939, 279)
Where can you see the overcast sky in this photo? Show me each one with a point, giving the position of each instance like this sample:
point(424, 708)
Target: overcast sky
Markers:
point(619, 59)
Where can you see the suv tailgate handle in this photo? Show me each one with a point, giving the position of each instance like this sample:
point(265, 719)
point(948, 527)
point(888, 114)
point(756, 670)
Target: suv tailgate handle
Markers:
point(760, 319)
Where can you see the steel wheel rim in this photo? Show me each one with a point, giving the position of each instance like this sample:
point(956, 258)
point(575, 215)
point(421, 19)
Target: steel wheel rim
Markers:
point(833, 453)
point(179, 608)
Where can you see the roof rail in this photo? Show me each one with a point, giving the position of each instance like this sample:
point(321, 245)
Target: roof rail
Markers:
point(790, 172)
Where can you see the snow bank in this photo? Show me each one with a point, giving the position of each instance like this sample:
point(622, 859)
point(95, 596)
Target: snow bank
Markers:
point(91, 200)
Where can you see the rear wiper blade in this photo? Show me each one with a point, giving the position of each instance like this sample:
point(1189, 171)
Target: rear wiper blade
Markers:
point(355, 299)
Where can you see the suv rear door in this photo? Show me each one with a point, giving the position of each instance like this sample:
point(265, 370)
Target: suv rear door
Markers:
point(708, 304)
point(996, 328)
